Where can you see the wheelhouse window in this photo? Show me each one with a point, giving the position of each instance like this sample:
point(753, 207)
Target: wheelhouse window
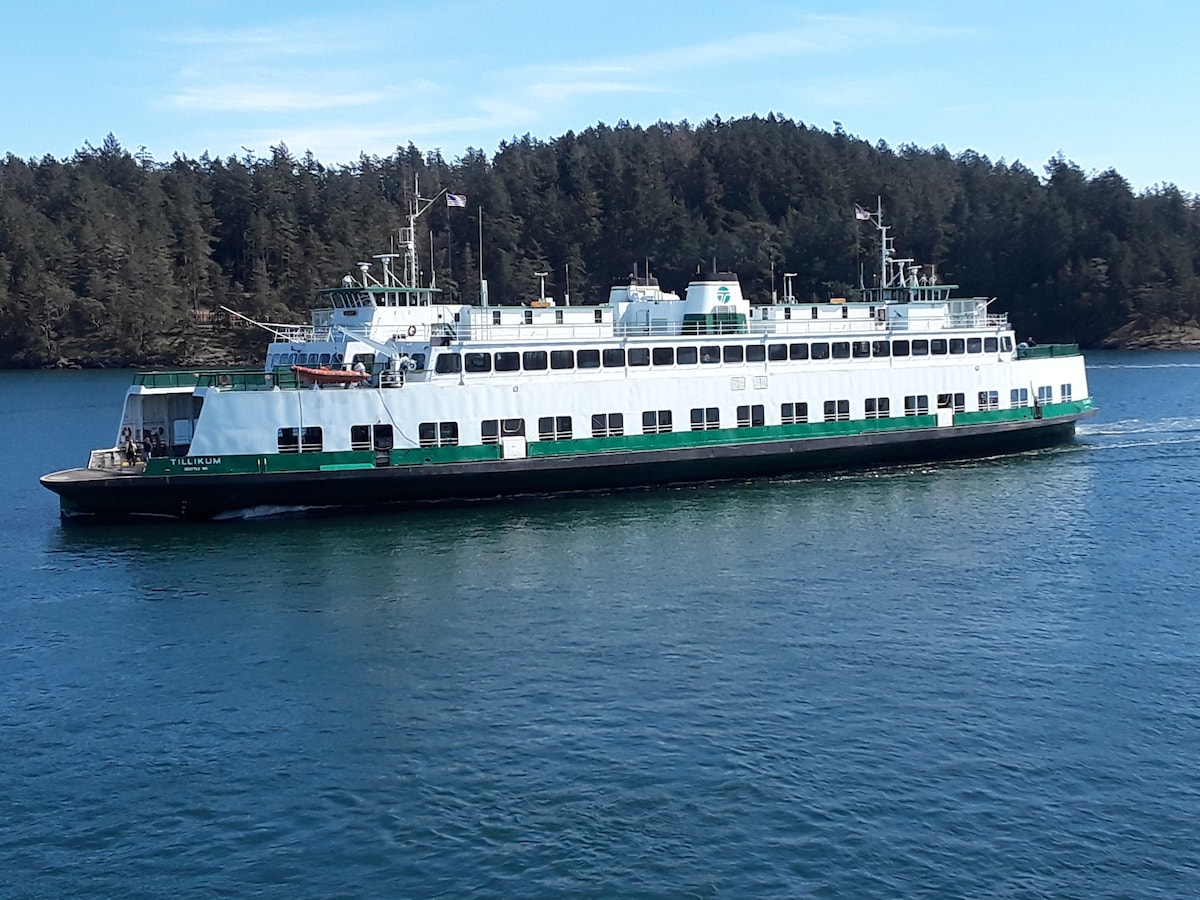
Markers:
point(608, 424)
point(706, 418)
point(656, 421)
point(916, 405)
point(554, 428)
point(793, 413)
point(751, 416)
point(878, 407)
point(437, 434)
point(991, 345)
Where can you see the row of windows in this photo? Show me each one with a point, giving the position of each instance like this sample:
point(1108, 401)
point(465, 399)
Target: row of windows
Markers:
point(619, 357)
point(660, 421)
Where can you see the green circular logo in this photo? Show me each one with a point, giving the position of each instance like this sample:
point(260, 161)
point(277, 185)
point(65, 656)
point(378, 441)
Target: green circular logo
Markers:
point(723, 295)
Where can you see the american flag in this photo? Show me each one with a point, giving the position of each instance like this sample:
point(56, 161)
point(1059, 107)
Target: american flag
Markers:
point(459, 200)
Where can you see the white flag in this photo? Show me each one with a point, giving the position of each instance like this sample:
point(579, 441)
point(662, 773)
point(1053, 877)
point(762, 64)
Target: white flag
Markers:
point(459, 200)
point(861, 214)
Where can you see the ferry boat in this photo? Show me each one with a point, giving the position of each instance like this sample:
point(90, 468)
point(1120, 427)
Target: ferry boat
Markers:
point(394, 396)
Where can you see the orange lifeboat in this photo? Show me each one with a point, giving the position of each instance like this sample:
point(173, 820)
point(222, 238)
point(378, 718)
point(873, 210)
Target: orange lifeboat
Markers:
point(325, 375)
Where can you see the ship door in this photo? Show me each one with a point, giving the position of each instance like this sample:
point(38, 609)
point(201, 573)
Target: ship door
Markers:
point(382, 441)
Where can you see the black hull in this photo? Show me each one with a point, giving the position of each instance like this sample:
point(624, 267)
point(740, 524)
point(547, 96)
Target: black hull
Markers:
point(88, 492)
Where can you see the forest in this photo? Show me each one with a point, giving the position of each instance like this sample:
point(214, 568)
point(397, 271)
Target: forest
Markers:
point(112, 258)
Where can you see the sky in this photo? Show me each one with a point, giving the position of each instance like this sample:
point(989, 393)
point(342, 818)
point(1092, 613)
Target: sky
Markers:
point(1108, 85)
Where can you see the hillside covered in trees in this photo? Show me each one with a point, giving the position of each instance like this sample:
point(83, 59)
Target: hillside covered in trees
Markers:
point(112, 258)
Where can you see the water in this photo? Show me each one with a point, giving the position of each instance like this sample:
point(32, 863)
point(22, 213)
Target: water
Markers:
point(964, 680)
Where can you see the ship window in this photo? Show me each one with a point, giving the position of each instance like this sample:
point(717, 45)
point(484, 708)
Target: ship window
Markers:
point(878, 407)
point(437, 434)
point(957, 346)
point(562, 359)
point(798, 351)
point(957, 402)
point(614, 357)
point(383, 437)
point(880, 348)
point(989, 400)
point(710, 354)
point(448, 363)
point(916, 405)
point(793, 413)
point(837, 410)
point(787, 312)
point(841, 349)
point(360, 437)
point(508, 361)
point(845, 312)
point(529, 317)
point(776, 352)
point(495, 317)
point(558, 317)
point(751, 416)
point(311, 439)
point(608, 424)
point(814, 312)
point(938, 346)
point(1045, 394)
point(533, 360)
point(1018, 397)
point(418, 360)
point(324, 359)
point(288, 440)
point(733, 353)
point(489, 431)
point(1065, 393)
point(756, 353)
point(920, 347)
point(1006, 344)
point(861, 349)
point(554, 428)
point(587, 359)
point(478, 362)
point(656, 421)
point(639, 356)
point(706, 418)
point(991, 345)
point(686, 356)
point(663, 356)
point(599, 315)
point(820, 350)
point(512, 427)
point(900, 348)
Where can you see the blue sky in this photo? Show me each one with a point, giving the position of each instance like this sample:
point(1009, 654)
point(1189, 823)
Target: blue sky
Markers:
point(1107, 84)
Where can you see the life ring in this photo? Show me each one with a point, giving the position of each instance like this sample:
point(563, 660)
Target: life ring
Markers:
point(412, 330)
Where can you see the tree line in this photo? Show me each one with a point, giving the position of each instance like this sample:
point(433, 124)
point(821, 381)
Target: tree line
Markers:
point(113, 258)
